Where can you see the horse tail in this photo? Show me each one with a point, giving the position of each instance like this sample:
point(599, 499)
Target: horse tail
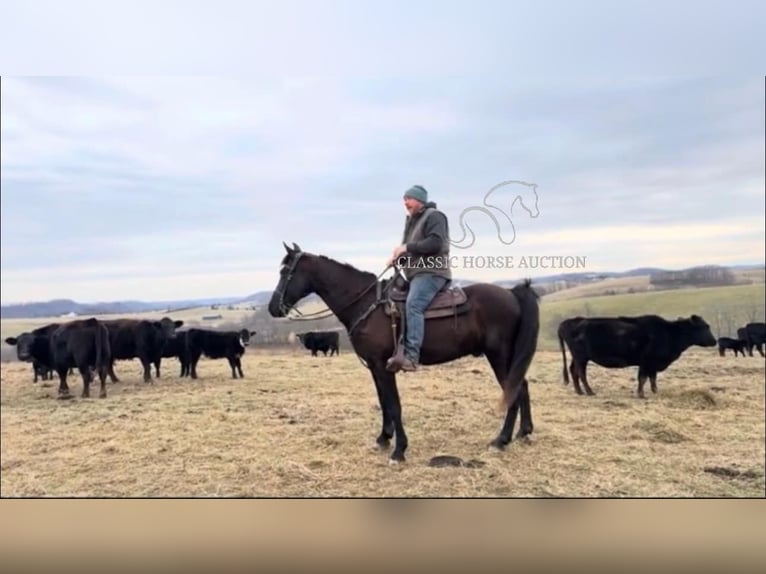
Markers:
point(525, 344)
point(564, 355)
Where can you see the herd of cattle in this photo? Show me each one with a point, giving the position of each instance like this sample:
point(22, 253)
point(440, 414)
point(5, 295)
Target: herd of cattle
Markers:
point(92, 345)
point(649, 342)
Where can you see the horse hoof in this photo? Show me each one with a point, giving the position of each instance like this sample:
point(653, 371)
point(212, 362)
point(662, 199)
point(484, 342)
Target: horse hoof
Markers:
point(396, 458)
point(65, 397)
point(496, 446)
point(381, 445)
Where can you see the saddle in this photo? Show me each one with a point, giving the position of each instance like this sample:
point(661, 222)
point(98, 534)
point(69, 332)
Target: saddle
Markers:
point(451, 300)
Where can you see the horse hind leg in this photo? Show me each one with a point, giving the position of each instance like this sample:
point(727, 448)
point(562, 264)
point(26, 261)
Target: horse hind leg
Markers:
point(525, 426)
point(500, 364)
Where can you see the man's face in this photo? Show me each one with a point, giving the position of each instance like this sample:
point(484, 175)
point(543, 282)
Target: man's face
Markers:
point(412, 205)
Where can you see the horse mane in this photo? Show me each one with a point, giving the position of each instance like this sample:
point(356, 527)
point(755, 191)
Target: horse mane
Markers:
point(348, 266)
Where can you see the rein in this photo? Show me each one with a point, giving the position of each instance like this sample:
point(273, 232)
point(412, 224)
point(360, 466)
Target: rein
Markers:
point(326, 313)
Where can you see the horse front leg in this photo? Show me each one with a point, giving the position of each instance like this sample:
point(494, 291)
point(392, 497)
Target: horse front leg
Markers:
point(382, 377)
point(392, 404)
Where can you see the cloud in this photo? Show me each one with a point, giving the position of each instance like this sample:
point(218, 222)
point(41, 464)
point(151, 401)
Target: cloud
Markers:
point(172, 187)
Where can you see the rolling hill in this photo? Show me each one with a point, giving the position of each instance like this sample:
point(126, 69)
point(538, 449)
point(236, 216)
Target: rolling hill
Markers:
point(556, 286)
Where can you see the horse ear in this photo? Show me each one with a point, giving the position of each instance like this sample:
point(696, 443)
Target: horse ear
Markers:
point(295, 247)
point(286, 247)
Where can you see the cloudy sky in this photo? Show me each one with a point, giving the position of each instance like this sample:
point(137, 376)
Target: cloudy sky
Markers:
point(183, 182)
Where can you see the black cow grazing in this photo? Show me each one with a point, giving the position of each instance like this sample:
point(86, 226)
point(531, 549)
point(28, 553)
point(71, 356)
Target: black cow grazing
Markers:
point(649, 342)
point(218, 345)
point(177, 347)
point(755, 335)
point(736, 345)
point(320, 341)
point(142, 339)
point(83, 344)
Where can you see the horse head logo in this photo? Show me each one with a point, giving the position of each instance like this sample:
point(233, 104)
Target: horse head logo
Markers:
point(512, 191)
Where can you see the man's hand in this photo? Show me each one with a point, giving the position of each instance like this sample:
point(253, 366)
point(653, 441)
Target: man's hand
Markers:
point(398, 251)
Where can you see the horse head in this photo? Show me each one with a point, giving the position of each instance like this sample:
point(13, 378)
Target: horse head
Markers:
point(294, 282)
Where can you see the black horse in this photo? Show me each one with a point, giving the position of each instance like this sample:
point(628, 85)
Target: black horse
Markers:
point(502, 324)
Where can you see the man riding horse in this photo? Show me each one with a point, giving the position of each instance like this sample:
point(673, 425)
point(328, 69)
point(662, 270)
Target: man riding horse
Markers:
point(423, 257)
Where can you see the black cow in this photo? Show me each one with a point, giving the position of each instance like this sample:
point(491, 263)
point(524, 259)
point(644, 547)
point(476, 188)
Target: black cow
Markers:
point(34, 346)
point(177, 347)
point(736, 345)
point(320, 341)
point(218, 345)
point(755, 336)
point(742, 336)
point(649, 342)
point(37, 352)
point(83, 344)
point(142, 339)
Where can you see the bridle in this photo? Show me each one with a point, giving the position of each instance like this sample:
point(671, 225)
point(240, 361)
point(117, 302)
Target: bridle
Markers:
point(290, 272)
point(326, 313)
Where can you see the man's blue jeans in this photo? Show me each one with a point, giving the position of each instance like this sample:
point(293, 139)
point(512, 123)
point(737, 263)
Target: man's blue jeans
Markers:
point(423, 289)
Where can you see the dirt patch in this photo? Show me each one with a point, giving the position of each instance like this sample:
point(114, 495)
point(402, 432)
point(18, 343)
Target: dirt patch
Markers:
point(695, 399)
point(726, 472)
point(659, 432)
point(447, 460)
point(610, 404)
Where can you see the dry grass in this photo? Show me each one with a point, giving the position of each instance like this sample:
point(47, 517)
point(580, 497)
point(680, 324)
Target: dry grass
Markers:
point(303, 426)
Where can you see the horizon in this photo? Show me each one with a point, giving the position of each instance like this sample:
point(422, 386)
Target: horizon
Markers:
point(266, 290)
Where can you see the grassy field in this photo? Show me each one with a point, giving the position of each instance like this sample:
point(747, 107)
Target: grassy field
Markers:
point(303, 426)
